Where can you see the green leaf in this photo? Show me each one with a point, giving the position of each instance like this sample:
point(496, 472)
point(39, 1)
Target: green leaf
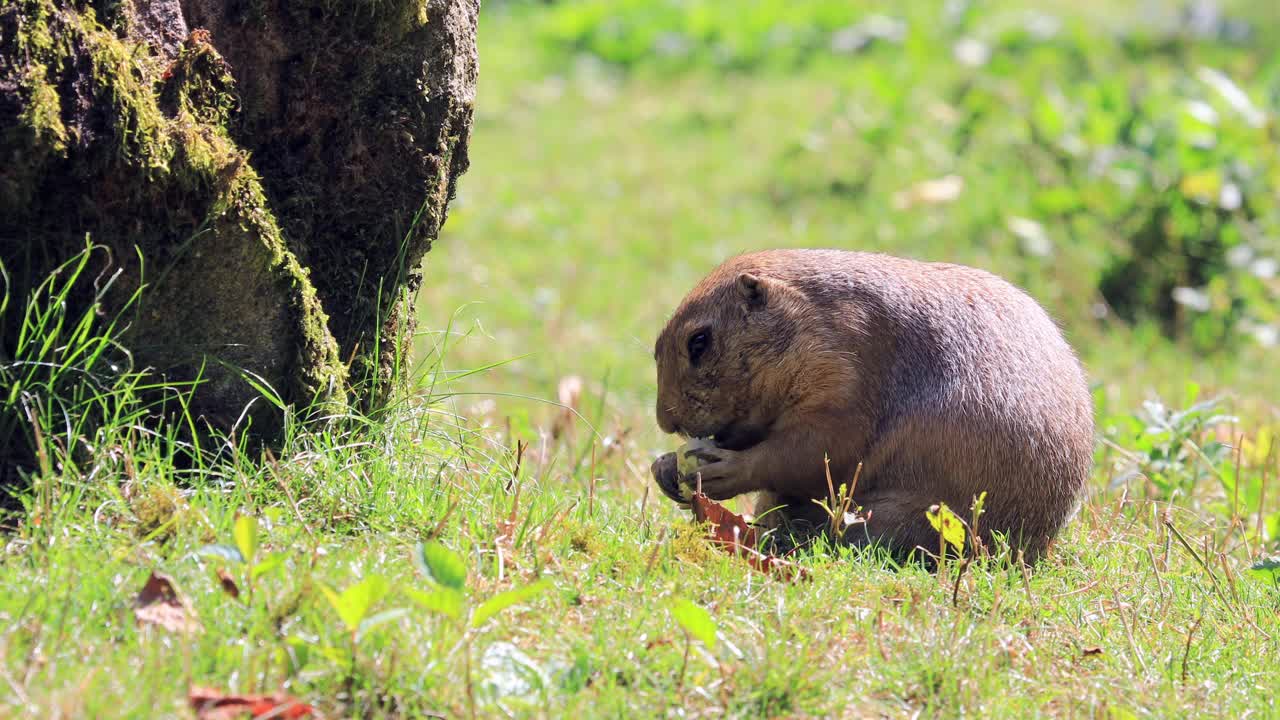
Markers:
point(381, 618)
point(337, 656)
point(1267, 568)
point(1204, 186)
point(504, 600)
point(948, 525)
point(297, 654)
point(335, 600)
point(444, 600)
point(226, 552)
point(1048, 117)
point(696, 621)
point(246, 536)
point(272, 562)
point(442, 565)
point(263, 388)
point(354, 602)
point(980, 504)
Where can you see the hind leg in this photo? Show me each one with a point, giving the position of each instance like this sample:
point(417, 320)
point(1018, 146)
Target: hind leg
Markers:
point(789, 523)
point(896, 521)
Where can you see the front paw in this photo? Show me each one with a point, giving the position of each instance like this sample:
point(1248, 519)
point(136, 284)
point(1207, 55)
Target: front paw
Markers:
point(723, 476)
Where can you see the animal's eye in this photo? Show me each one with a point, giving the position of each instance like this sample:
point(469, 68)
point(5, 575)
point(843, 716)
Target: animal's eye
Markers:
point(698, 344)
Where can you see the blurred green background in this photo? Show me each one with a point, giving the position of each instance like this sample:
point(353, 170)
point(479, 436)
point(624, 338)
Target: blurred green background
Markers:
point(1117, 160)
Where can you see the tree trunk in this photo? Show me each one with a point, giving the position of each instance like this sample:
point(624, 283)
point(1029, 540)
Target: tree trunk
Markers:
point(270, 171)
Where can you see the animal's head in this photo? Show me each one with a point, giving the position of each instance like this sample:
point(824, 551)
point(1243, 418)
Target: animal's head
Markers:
point(722, 369)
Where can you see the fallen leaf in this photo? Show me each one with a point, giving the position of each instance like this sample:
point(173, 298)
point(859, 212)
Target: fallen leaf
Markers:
point(696, 621)
point(158, 603)
point(228, 583)
point(731, 532)
point(726, 526)
point(213, 704)
point(1092, 650)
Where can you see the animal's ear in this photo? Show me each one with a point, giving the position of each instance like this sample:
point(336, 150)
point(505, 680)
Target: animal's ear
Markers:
point(754, 289)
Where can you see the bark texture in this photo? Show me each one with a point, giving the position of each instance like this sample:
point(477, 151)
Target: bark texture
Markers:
point(272, 171)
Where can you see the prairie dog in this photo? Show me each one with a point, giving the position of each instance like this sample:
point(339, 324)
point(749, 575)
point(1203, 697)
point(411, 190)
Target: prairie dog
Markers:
point(944, 381)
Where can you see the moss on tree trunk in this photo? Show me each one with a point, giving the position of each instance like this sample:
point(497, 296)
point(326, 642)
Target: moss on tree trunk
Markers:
point(273, 172)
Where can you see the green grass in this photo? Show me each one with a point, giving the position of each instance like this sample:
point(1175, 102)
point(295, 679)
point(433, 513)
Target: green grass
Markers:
point(599, 193)
point(574, 245)
point(1123, 619)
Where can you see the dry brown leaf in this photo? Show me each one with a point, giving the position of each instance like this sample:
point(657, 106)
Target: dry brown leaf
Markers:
point(158, 603)
point(731, 532)
point(505, 539)
point(1091, 650)
point(228, 583)
point(213, 704)
point(726, 526)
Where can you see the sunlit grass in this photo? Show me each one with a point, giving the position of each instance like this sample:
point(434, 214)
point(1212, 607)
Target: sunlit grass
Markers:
point(597, 197)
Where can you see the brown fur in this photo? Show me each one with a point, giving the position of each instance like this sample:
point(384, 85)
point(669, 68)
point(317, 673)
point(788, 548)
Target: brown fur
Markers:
point(944, 381)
